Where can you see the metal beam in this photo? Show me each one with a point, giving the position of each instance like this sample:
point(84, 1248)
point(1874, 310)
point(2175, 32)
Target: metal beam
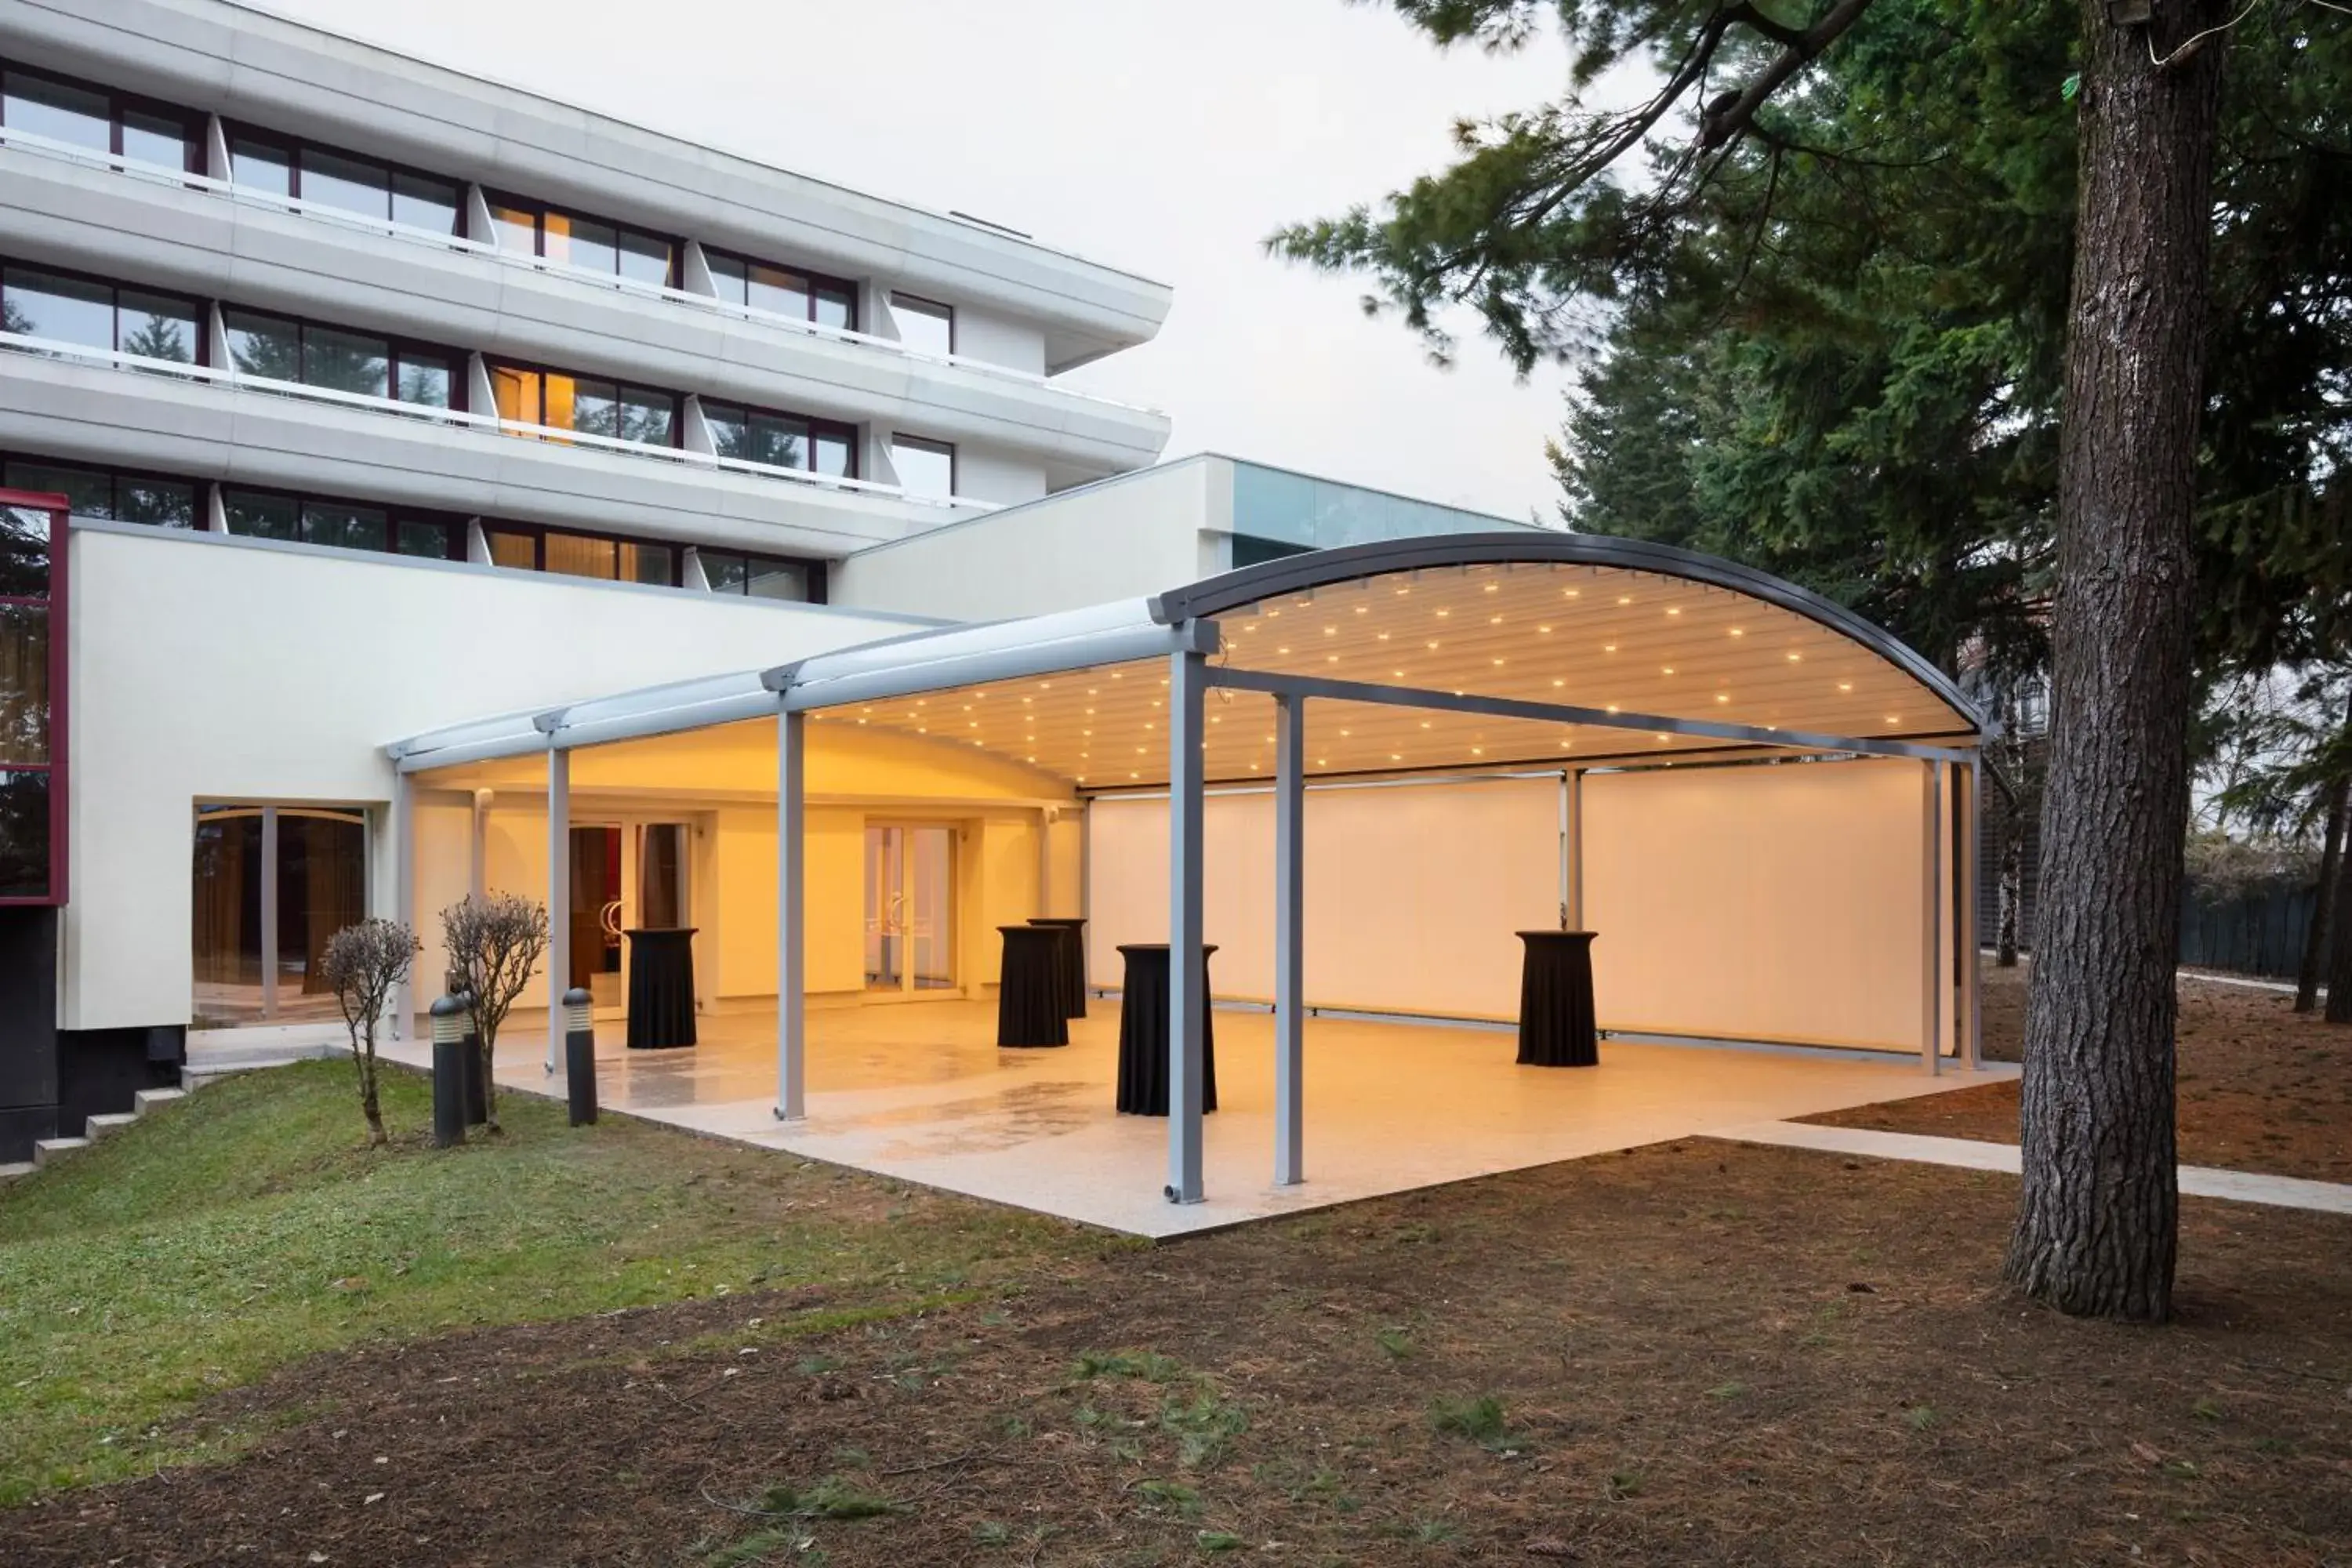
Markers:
point(1289, 943)
point(791, 867)
point(559, 898)
point(1931, 836)
point(1187, 1006)
point(806, 685)
point(403, 833)
point(269, 913)
point(1567, 713)
point(1972, 953)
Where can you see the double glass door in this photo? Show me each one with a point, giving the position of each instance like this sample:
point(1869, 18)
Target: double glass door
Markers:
point(625, 876)
point(910, 909)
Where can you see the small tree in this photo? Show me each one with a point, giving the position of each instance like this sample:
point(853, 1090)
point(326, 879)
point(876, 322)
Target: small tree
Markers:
point(494, 945)
point(363, 963)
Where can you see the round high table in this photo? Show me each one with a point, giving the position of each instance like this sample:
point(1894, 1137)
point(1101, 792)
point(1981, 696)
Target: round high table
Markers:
point(661, 988)
point(1143, 1032)
point(1028, 991)
point(1073, 960)
point(1556, 1023)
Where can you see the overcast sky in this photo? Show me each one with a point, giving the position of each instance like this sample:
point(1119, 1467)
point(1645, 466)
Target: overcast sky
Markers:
point(1167, 138)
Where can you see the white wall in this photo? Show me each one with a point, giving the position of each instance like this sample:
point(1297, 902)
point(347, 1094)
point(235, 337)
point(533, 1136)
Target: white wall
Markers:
point(1119, 539)
point(996, 474)
point(999, 339)
point(214, 669)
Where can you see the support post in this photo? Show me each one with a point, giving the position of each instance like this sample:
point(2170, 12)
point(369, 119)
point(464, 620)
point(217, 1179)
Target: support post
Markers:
point(1187, 1006)
point(1046, 815)
point(1972, 939)
point(269, 914)
point(403, 893)
point(1931, 836)
point(792, 860)
point(477, 848)
point(559, 897)
point(1572, 849)
point(1289, 939)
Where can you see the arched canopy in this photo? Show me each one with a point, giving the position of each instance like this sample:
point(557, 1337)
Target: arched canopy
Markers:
point(1464, 650)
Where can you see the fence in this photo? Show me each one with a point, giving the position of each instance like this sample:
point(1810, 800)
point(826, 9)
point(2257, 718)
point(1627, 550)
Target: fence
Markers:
point(2261, 934)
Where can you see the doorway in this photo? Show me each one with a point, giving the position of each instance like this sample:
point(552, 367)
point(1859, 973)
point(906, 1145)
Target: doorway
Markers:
point(911, 949)
point(627, 875)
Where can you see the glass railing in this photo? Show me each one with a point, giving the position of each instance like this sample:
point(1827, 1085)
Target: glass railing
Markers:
point(488, 424)
point(343, 217)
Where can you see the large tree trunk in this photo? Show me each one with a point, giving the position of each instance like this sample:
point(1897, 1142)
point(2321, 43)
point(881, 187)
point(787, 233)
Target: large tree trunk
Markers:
point(2326, 900)
point(2339, 943)
point(2097, 1223)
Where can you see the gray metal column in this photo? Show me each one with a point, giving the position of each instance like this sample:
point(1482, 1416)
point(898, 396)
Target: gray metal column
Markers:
point(1572, 849)
point(792, 862)
point(559, 897)
point(1931, 835)
point(269, 913)
point(1046, 815)
point(403, 835)
point(1289, 939)
point(477, 849)
point(1187, 683)
point(1971, 955)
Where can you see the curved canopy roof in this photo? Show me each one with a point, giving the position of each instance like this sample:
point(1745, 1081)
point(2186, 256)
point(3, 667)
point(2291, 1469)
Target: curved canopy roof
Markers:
point(1460, 650)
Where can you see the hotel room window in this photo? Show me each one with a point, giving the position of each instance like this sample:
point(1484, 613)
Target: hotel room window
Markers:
point(592, 245)
point(101, 121)
point(924, 325)
point(588, 404)
point(925, 467)
point(343, 182)
point(92, 313)
point(783, 291)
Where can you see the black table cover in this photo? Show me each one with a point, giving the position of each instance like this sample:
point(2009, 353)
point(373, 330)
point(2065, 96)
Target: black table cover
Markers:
point(661, 988)
point(1556, 1027)
point(1072, 960)
point(1143, 1032)
point(1028, 991)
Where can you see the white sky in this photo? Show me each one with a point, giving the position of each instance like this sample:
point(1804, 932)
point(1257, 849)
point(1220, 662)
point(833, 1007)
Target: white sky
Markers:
point(1166, 138)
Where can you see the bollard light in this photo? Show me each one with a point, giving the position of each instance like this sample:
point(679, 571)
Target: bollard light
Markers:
point(580, 1055)
point(578, 1006)
point(451, 1072)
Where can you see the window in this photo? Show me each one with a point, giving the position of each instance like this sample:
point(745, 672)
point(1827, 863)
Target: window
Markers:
point(105, 493)
point(281, 348)
point(314, 860)
point(759, 576)
point(605, 558)
point(342, 182)
point(923, 326)
point(32, 714)
point(925, 467)
point(571, 239)
point(340, 525)
point(101, 121)
point(70, 309)
point(781, 291)
point(561, 401)
point(782, 440)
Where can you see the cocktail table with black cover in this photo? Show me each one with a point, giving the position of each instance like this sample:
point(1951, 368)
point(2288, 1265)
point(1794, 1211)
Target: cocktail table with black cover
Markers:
point(661, 988)
point(1028, 992)
point(1073, 960)
point(1143, 1032)
point(1556, 1023)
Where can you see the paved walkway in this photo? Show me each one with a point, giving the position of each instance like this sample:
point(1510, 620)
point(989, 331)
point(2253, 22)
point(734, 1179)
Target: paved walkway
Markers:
point(2196, 1181)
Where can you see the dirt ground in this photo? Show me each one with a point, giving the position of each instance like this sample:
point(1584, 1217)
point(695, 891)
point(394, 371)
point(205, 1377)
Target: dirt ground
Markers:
point(1696, 1353)
point(2262, 1088)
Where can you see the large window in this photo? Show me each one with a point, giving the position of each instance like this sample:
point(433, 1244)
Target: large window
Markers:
point(69, 307)
point(588, 405)
point(925, 467)
point(782, 440)
point(284, 349)
point(783, 291)
point(272, 883)
point(524, 547)
point(100, 120)
point(110, 494)
point(924, 325)
point(342, 524)
point(32, 714)
point(593, 244)
point(762, 577)
point(343, 182)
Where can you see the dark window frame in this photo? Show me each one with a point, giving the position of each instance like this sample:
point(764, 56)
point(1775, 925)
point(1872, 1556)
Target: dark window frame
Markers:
point(538, 210)
point(538, 532)
point(196, 120)
point(202, 307)
point(393, 515)
point(56, 601)
point(394, 346)
point(924, 306)
point(931, 444)
point(676, 399)
point(814, 280)
point(115, 476)
point(815, 423)
point(813, 572)
point(231, 130)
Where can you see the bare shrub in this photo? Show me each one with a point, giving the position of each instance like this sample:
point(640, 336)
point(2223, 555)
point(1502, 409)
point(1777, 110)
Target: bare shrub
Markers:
point(494, 945)
point(364, 964)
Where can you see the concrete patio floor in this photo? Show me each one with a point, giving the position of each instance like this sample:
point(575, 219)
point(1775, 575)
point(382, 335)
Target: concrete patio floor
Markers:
point(919, 1091)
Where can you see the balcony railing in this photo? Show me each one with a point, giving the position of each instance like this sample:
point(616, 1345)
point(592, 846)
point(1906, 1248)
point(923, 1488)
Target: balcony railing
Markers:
point(488, 424)
point(158, 173)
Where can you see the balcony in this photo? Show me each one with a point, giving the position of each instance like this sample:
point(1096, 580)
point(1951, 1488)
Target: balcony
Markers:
point(116, 216)
point(69, 401)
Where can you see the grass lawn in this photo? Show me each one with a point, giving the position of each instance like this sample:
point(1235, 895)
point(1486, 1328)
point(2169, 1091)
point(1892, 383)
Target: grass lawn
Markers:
point(249, 1227)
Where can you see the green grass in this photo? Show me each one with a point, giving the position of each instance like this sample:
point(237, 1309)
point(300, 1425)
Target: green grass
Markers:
point(249, 1227)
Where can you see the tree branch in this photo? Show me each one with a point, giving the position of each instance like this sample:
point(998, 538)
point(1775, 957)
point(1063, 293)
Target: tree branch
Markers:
point(1722, 121)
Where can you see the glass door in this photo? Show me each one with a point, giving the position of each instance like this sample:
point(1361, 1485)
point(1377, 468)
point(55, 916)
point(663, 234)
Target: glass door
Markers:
point(596, 913)
point(910, 909)
point(662, 902)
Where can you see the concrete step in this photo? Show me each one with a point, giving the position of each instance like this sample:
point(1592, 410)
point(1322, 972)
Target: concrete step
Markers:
point(15, 1169)
point(47, 1148)
point(148, 1100)
point(110, 1121)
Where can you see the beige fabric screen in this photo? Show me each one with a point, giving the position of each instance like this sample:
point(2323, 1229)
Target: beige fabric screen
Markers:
point(1412, 890)
point(1766, 902)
